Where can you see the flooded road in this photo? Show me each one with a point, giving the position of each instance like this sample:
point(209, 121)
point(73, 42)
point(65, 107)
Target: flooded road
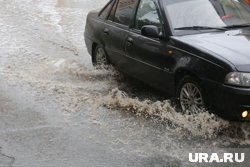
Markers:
point(57, 110)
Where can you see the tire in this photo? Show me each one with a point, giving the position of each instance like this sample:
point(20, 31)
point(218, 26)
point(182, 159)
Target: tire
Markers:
point(99, 57)
point(190, 96)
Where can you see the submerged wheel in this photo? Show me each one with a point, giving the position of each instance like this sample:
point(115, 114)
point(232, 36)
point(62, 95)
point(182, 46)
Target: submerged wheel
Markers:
point(99, 57)
point(190, 96)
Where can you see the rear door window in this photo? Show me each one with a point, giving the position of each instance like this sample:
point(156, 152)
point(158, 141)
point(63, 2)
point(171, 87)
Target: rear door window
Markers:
point(124, 11)
point(104, 13)
point(112, 12)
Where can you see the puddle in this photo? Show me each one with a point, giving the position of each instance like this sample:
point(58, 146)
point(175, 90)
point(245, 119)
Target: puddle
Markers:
point(6, 161)
point(68, 3)
point(80, 3)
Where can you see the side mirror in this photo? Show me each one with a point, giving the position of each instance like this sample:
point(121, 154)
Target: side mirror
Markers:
point(151, 31)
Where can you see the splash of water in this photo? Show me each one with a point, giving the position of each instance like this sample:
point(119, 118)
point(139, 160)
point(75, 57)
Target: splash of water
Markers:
point(201, 124)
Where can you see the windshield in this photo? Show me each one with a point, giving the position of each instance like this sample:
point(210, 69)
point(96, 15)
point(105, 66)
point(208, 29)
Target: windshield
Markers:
point(207, 13)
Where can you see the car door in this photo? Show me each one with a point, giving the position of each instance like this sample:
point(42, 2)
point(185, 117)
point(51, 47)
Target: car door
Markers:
point(149, 57)
point(116, 30)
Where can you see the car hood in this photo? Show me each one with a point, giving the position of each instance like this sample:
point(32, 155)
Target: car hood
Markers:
point(233, 46)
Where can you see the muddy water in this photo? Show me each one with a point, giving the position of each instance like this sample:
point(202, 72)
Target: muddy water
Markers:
point(43, 56)
point(94, 4)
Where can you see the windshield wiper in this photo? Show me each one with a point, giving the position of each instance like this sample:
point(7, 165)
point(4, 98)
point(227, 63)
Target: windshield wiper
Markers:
point(201, 28)
point(238, 26)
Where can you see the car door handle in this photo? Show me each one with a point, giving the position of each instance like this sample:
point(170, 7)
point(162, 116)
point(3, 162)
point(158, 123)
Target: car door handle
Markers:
point(106, 31)
point(130, 41)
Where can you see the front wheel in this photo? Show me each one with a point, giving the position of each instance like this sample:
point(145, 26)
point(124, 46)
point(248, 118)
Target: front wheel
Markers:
point(190, 95)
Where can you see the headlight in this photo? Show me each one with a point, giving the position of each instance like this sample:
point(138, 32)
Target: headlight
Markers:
point(238, 79)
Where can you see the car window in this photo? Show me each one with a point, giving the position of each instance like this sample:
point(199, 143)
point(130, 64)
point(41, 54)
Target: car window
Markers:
point(232, 16)
point(123, 11)
point(147, 14)
point(104, 13)
point(207, 13)
point(112, 12)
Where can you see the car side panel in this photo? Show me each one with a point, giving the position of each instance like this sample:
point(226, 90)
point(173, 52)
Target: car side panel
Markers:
point(150, 62)
point(192, 62)
point(196, 62)
point(114, 42)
